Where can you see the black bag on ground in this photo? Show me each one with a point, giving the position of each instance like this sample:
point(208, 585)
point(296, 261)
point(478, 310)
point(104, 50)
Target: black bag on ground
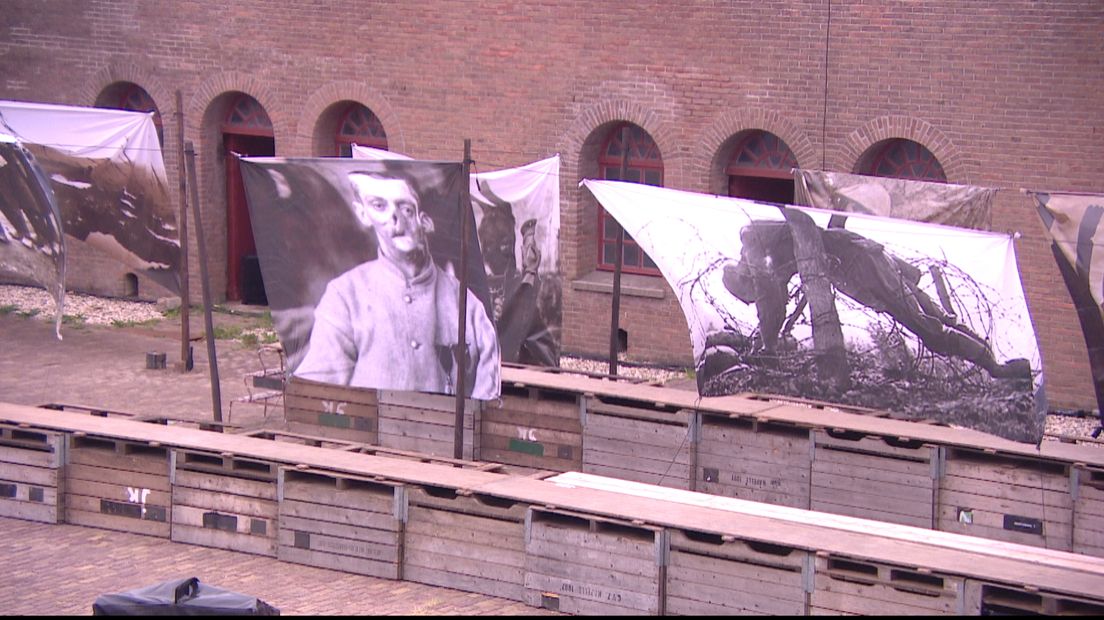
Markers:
point(181, 597)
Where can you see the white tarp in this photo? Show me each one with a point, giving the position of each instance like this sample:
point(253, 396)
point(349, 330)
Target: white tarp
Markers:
point(108, 177)
point(933, 322)
point(517, 214)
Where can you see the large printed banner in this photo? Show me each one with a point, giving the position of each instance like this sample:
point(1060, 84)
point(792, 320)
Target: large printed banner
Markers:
point(965, 206)
point(32, 245)
point(1073, 223)
point(517, 215)
point(361, 263)
point(108, 178)
point(924, 321)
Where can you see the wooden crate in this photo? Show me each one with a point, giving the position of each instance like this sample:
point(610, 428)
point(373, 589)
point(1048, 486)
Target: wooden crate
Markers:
point(1088, 510)
point(754, 460)
point(888, 479)
point(1005, 497)
point(335, 411)
point(32, 479)
point(225, 501)
point(990, 599)
point(341, 522)
point(93, 411)
point(470, 542)
point(844, 586)
point(118, 484)
point(533, 427)
point(711, 575)
point(426, 423)
point(300, 439)
point(405, 455)
point(587, 565)
point(639, 441)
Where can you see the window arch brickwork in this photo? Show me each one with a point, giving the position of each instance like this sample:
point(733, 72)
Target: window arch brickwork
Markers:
point(314, 130)
point(579, 159)
point(711, 155)
point(957, 168)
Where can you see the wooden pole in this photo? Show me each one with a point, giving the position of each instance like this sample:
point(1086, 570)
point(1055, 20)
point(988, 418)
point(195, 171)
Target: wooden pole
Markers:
point(616, 312)
point(186, 361)
point(216, 392)
point(461, 352)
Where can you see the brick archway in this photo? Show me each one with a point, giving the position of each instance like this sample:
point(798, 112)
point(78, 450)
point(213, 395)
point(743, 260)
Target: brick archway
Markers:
point(957, 168)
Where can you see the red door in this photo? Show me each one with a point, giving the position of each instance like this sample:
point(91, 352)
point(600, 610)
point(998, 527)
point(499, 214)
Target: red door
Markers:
point(243, 274)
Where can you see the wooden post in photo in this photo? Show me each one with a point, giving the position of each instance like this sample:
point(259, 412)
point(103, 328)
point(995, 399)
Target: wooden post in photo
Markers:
point(216, 396)
point(460, 354)
point(185, 301)
point(616, 312)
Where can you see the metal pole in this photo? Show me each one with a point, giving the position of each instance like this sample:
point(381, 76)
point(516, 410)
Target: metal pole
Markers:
point(186, 362)
point(461, 351)
point(216, 394)
point(616, 313)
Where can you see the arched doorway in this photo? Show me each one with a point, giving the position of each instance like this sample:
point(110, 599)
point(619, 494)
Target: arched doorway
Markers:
point(246, 131)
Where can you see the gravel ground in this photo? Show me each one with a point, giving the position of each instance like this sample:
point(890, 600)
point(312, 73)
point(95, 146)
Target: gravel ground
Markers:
point(93, 310)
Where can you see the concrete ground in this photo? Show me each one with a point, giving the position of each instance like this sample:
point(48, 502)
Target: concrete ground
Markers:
point(61, 569)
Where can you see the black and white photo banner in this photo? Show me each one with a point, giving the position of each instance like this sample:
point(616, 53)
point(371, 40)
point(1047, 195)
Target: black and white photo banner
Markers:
point(361, 263)
point(108, 178)
point(926, 321)
point(517, 216)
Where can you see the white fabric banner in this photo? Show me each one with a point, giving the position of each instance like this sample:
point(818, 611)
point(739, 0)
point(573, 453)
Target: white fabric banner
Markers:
point(108, 177)
point(922, 320)
point(517, 214)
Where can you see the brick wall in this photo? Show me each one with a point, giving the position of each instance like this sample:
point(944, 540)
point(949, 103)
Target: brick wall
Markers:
point(1005, 94)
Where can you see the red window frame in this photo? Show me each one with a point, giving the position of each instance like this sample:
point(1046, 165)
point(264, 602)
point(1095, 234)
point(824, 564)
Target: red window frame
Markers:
point(644, 165)
point(761, 168)
point(900, 158)
point(358, 125)
point(247, 117)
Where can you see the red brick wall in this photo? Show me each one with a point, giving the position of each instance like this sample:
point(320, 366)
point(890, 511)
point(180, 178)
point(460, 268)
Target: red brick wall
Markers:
point(1005, 94)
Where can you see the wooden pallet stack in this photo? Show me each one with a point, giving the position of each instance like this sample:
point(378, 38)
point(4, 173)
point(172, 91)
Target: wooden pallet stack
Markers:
point(32, 475)
point(711, 574)
point(1088, 509)
point(882, 478)
point(465, 541)
point(642, 441)
point(589, 565)
point(856, 586)
point(336, 411)
point(118, 484)
point(341, 521)
point(535, 428)
point(1006, 497)
point(426, 423)
point(754, 460)
point(225, 501)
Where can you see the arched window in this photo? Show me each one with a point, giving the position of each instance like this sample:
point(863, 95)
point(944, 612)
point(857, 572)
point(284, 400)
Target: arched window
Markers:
point(903, 159)
point(358, 125)
point(247, 117)
point(761, 168)
point(644, 166)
